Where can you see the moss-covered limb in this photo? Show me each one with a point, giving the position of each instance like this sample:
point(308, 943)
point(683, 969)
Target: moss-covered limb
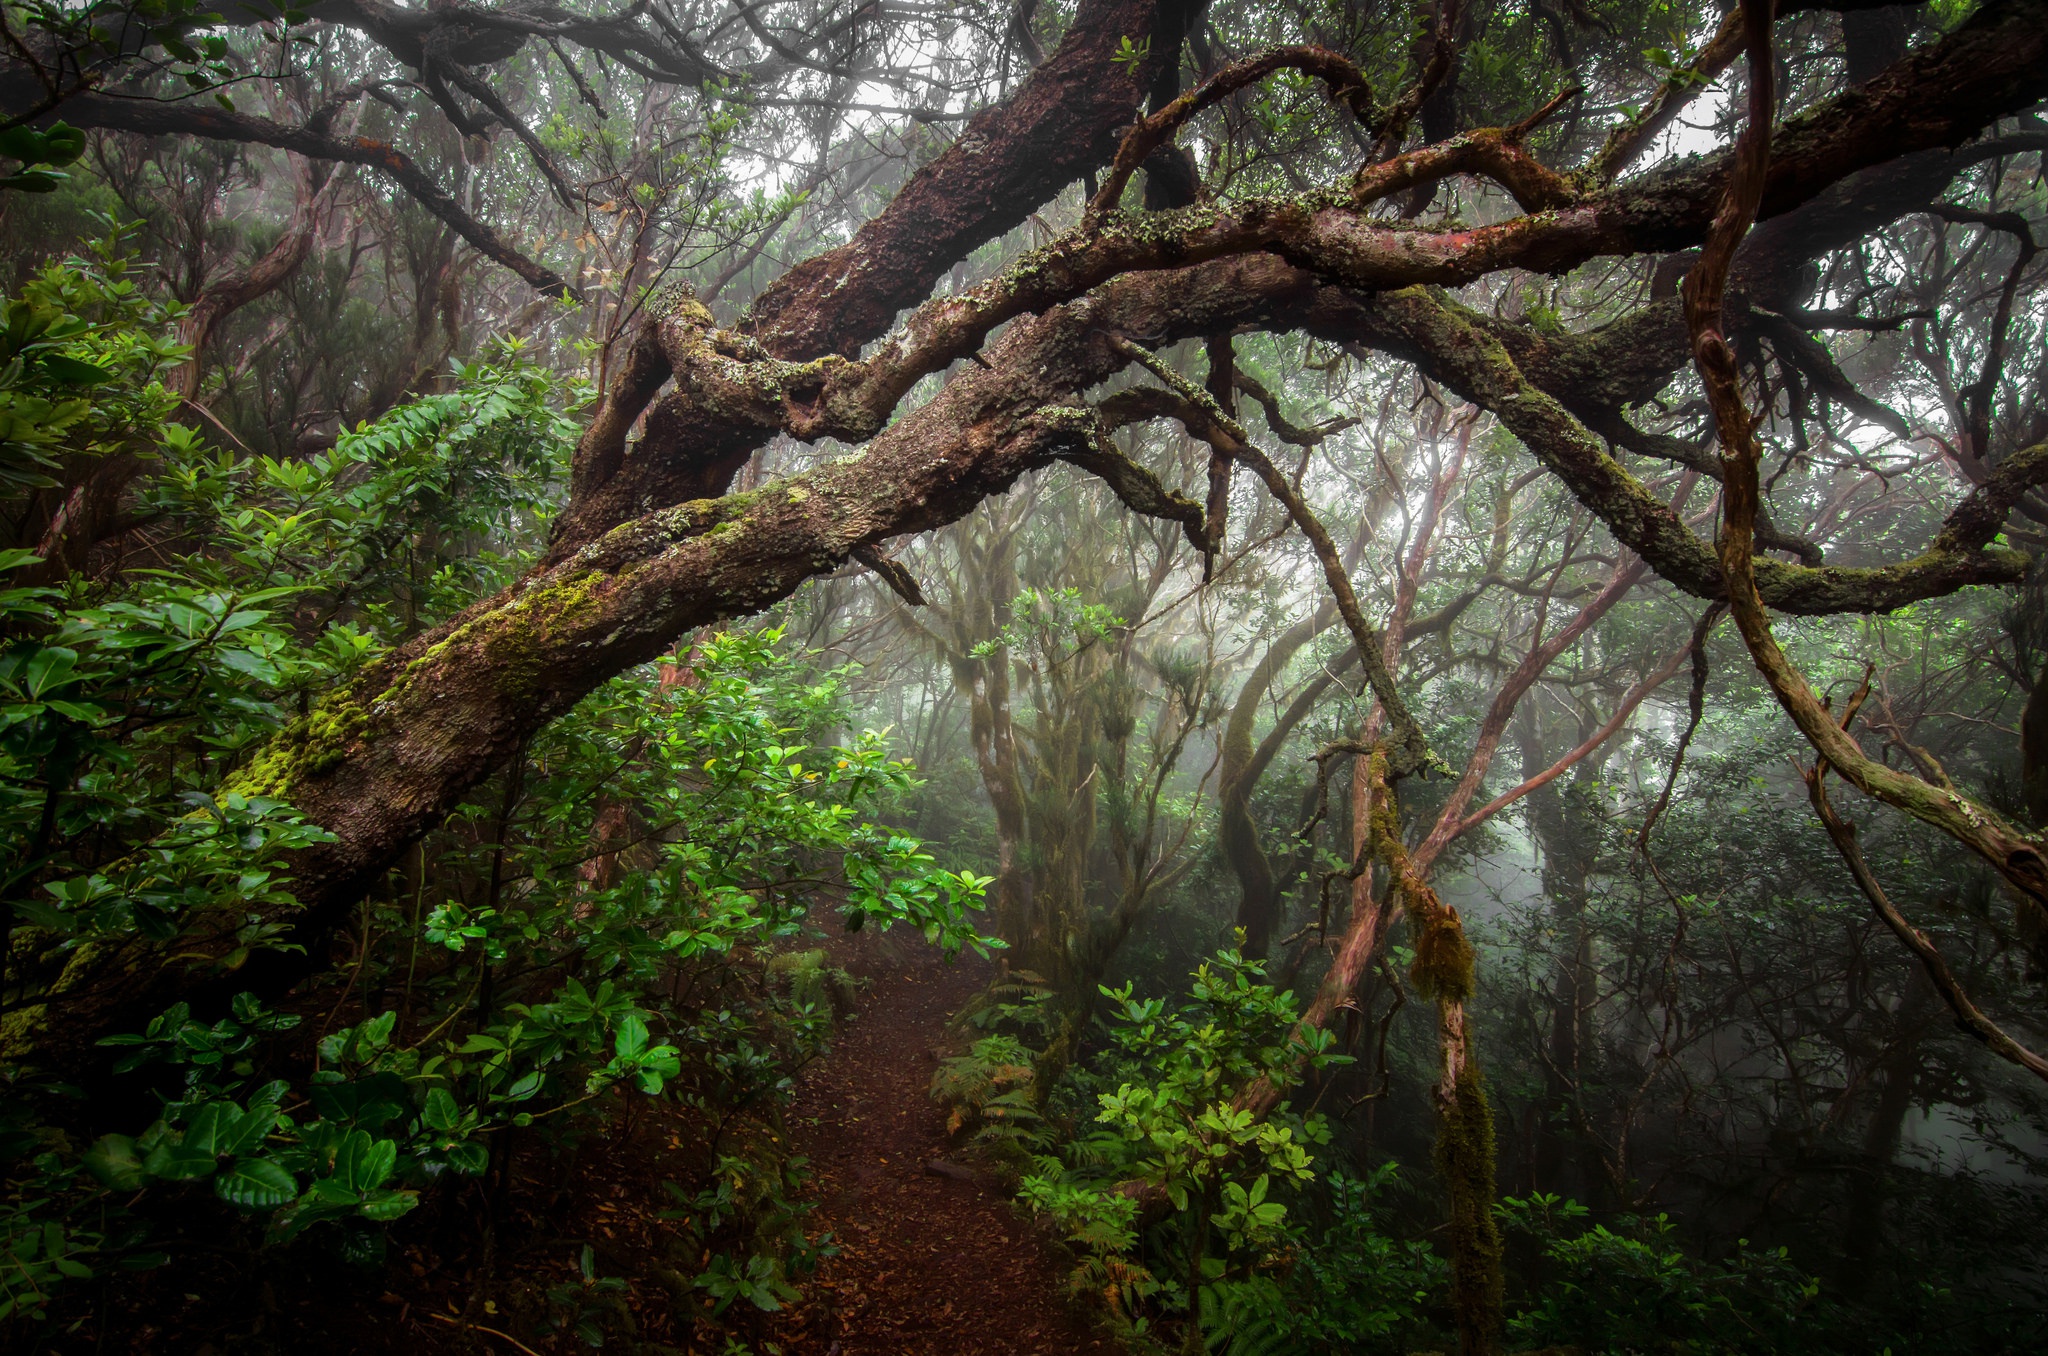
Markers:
point(2013, 854)
point(1243, 764)
point(1980, 517)
point(1062, 121)
point(1473, 362)
point(1444, 971)
point(1134, 485)
point(729, 402)
point(382, 761)
point(1494, 153)
point(1008, 161)
point(1283, 428)
point(1465, 1161)
point(2000, 55)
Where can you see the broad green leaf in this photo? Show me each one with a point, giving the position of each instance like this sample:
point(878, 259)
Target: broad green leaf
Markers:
point(49, 668)
point(72, 372)
point(440, 1112)
point(249, 1131)
point(468, 1157)
point(256, 1184)
point(177, 1163)
point(364, 1163)
point(113, 1159)
point(209, 1126)
point(368, 1103)
point(389, 1205)
point(631, 1038)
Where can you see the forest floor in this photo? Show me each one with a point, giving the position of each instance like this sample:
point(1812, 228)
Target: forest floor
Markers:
point(934, 1259)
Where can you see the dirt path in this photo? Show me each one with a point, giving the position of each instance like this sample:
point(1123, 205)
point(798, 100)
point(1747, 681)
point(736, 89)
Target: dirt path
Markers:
point(930, 1265)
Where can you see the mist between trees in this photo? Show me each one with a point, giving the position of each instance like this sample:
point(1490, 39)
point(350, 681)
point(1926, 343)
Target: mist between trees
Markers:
point(1437, 608)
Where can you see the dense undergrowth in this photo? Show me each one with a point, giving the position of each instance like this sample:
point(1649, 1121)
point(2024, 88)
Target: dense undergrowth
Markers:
point(603, 933)
point(1291, 1248)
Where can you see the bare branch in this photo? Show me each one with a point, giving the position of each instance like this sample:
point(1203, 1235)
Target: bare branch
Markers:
point(1969, 1016)
point(218, 124)
point(1346, 83)
point(1410, 748)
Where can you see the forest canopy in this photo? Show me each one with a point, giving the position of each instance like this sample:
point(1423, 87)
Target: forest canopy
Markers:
point(1426, 622)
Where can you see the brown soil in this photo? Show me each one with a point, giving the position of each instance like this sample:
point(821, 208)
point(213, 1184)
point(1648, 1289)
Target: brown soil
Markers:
point(933, 1263)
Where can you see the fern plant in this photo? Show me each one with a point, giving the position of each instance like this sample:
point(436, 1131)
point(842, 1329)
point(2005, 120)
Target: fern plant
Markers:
point(990, 1090)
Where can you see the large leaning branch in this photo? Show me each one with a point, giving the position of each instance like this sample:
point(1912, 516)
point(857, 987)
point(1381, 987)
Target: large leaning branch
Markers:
point(385, 759)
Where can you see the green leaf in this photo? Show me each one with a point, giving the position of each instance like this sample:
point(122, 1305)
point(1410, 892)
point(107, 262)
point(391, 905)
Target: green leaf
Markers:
point(177, 1163)
point(113, 1159)
point(34, 181)
point(631, 1038)
point(468, 1158)
point(330, 1191)
point(49, 668)
point(389, 1205)
point(256, 1184)
point(368, 1103)
point(78, 711)
point(440, 1112)
point(364, 1163)
point(249, 1131)
point(72, 372)
point(62, 143)
point(208, 1126)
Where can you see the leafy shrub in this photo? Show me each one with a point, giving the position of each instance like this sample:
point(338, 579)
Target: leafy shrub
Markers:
point(1630, 1288)
point(1174, 1124)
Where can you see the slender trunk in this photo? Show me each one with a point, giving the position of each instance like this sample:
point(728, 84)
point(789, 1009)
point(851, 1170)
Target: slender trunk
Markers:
point(1237, 836)
point(1465, 1151)
point(1566, 828)
point(2030, 917)
point(270, 271)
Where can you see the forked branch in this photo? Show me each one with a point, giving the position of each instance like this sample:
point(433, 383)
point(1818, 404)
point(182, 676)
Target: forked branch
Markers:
point(1408, 750)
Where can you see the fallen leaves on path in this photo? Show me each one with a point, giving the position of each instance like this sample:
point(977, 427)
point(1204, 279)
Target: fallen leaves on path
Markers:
point(933, 1261)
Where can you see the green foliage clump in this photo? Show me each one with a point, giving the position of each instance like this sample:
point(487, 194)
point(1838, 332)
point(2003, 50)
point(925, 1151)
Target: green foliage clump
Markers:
point(1631, 1288)
point(1178, 1123)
